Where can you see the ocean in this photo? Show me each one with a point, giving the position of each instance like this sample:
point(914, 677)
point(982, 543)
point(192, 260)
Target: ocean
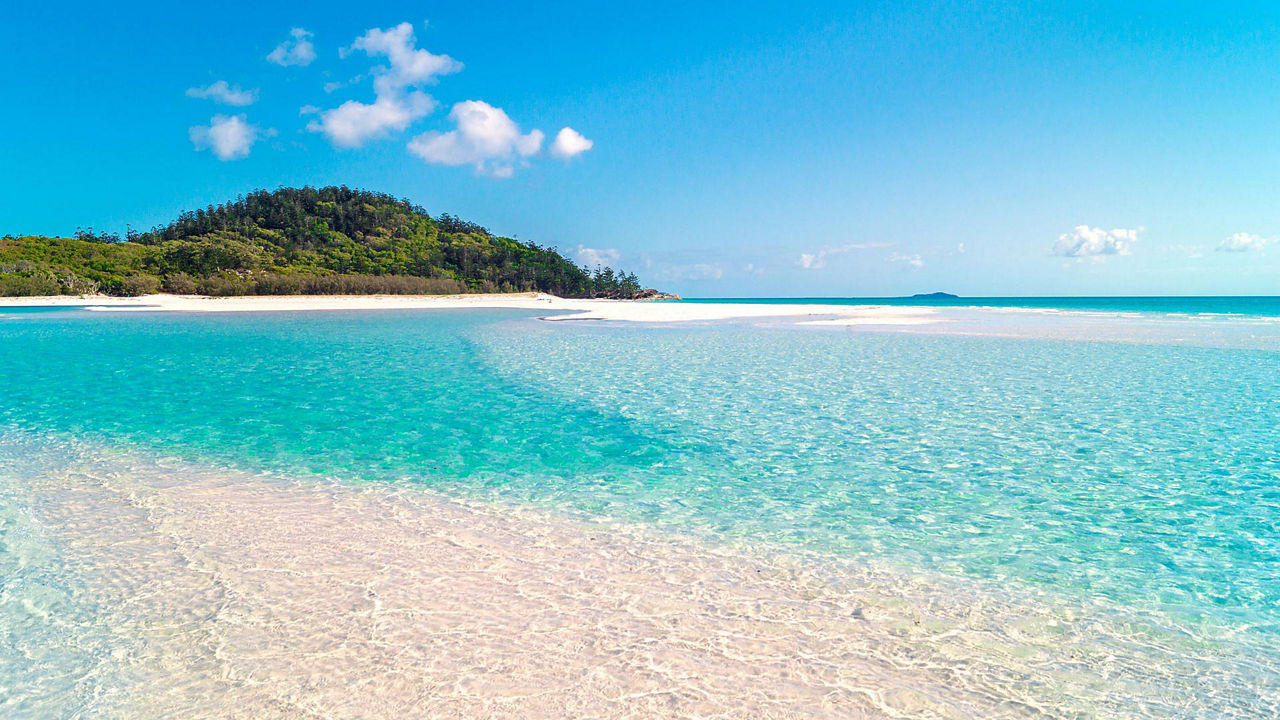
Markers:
point(1264, 305)
point(1087, 489)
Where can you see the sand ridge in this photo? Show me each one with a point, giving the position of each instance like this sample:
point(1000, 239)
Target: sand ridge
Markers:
point(577, 309)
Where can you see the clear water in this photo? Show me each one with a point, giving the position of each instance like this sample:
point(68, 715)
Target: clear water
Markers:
point(1261, 305)
point(1140, 475)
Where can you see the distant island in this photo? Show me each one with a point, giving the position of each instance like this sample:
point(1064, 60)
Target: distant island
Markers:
point(934, 296)
point(311, 241)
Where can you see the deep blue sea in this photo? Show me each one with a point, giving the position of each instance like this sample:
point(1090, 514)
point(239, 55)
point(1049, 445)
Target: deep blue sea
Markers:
point(1129, 465)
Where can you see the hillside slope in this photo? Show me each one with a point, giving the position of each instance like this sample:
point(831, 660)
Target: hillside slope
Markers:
point(300, 240)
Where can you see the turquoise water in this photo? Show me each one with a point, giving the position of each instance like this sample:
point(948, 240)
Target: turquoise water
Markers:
point(1142, 475)
point(1231, 305)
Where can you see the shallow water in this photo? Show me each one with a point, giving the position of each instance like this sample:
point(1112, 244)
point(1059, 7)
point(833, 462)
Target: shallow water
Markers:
point(1256, 305)
point(1096, 525)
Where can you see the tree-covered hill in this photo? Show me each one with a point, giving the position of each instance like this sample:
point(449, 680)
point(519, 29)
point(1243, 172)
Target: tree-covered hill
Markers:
point(300, 241)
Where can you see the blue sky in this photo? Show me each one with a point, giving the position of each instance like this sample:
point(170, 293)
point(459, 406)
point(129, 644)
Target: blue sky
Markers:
point(735, 149)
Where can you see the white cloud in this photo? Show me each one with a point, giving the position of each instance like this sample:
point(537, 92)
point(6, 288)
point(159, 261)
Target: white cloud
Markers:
point(485, 137)
point(752, 269)
point(353, 123)
point(221, 92)
point(296, 51)
point(408, 66)
point(482, 136)
point(1243, 242)
point(569, 142)
point(1084, 241)
point(308, 110)
point(397, 104)
point(960, 248)
point(594, 257)
point(914, 260)
point(228, 137)
point(339, 84)
point(817, 259)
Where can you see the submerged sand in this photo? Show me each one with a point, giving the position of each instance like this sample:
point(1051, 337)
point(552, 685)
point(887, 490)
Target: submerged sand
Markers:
point(235, 595)
point(567, 309)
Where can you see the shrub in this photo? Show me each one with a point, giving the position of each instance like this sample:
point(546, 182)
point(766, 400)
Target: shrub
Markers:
point(134, 285)
point(181, 284)
point(29, 285)
point(73, 284)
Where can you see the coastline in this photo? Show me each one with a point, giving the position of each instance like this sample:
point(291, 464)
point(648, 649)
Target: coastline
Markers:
point(277, 592)
point(575, 309)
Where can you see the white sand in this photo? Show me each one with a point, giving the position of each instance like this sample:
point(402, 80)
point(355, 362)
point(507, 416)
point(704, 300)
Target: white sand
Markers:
point(229, 595)
point(619, 310)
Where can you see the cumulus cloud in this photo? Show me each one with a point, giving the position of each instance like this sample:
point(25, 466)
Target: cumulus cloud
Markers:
point(817, 259)
point(1244, 242)
point(408, 66)
point(227, 137)
point(569, 142)
point(354, 123)
point(297, 50)
point(914, 260)
point(1084, 241)
point(221, 92)
point(484, 137)
point(397, 103)
point(595, 257)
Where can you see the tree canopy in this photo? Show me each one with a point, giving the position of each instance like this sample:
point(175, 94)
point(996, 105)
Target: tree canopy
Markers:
point(301, 241)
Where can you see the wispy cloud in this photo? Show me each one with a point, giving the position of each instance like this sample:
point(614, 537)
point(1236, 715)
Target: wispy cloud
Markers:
point(596, 257)
point(1083, 241)
point(222, 92)
point(1244, 242)
point(336, 85)
point(914, 261)
point(817, 259)
point(297, 50)
point(483, 136)
point(229, 137)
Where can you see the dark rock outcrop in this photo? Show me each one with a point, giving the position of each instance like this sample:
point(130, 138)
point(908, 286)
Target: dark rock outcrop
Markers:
point(651, 294)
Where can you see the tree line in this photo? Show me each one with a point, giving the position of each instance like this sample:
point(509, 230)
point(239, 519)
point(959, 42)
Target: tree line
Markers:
point(301, 240)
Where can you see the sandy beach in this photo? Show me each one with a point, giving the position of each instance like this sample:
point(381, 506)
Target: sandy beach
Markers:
point(616, 310)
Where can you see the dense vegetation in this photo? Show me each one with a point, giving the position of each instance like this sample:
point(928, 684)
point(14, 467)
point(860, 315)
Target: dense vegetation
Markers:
point(300, 241)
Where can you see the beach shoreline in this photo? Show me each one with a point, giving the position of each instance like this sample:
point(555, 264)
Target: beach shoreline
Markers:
point(567, 308)
point(354, 514)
